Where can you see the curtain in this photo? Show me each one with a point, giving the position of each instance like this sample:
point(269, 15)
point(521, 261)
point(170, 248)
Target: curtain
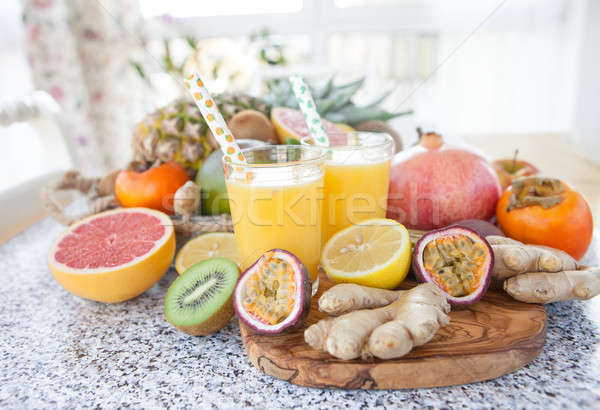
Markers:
point(79, 52)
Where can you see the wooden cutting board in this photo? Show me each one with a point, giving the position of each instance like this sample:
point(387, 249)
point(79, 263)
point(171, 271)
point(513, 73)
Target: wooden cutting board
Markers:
point(488, 339)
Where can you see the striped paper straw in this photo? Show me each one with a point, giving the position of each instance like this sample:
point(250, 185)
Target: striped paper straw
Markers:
point(309, 109)
point(214, 119)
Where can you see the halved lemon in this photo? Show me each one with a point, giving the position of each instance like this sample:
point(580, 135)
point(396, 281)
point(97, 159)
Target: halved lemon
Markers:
point(209, 245)
point(375, 253)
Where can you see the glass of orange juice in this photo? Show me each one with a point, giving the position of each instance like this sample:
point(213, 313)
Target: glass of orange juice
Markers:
point(357, 174)
point(276, 202)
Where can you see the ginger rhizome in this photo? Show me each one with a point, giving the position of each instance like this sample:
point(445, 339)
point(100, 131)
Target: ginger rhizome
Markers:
point(347, 297)
point(512, 258)
point(547, 287)
point(540, 274)
point(386, 332)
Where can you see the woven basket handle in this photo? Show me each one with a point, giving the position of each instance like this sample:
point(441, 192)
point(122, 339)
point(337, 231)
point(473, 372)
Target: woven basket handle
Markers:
point(100, 196)
point(99, 193)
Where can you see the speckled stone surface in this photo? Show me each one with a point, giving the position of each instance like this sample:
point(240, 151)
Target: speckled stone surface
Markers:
point(57, 350)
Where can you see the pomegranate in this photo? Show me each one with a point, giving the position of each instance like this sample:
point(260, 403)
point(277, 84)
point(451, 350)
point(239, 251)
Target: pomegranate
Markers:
point(434, 184)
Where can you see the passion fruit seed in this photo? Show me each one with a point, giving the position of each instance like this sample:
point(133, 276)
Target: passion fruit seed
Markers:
point(455, 263)
point(267, 292)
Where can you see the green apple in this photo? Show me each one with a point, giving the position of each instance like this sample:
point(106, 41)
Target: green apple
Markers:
point(211, 180)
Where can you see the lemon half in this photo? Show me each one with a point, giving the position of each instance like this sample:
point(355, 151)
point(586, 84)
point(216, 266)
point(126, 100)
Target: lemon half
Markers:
point(375, 253)
point(209, 245)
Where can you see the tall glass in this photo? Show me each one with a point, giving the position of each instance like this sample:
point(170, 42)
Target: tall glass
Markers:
point(357, 175)
point(276, 202)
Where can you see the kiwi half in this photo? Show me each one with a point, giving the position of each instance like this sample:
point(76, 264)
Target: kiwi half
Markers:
point(199, 302)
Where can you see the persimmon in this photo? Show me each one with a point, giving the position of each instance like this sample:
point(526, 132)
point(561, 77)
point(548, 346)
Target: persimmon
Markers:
point(153, 188)
point(545, 211)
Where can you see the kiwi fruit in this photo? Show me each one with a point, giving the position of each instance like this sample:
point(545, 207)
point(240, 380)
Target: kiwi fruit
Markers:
point(252, 124)
point(200, 301)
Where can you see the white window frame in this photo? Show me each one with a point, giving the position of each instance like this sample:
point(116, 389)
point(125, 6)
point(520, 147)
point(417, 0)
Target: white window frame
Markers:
point(318, 18)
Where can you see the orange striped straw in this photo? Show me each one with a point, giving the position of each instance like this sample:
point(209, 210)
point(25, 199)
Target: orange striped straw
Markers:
point(214, 119)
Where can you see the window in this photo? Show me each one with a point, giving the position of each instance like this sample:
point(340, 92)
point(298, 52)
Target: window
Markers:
point(186, 8)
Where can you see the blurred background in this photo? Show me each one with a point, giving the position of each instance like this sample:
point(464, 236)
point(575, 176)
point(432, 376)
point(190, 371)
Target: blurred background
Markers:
point(78, 75)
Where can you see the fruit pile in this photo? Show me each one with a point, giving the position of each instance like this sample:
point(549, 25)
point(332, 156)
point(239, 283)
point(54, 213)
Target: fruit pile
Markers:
point(432, 185)
point(458, 204)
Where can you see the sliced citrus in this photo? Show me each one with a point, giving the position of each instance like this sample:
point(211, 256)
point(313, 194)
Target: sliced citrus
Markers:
point(290, 125)
point(344, 127)
point(375, 253)
point(207, 246)
point(114, 255)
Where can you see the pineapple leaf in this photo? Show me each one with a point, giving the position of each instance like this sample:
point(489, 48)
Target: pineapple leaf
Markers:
point(352, 84)
point(323, 106)
point(333, 102)
point(379, 100)
point(279, 92)
point(326, 89)
point(352, 114)
point(342, 95)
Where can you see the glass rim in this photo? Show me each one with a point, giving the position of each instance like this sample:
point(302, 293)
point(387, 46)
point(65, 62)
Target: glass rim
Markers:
point(320, 156)
point(386, 136)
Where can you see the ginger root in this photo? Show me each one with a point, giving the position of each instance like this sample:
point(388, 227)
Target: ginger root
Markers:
point(512, 258)
point(540, 274)
point(187, 200)
point(547, 287)
point(346, 297)
point(387, 332)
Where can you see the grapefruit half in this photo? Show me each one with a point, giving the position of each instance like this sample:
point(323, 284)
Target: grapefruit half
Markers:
point(290, 125)
point(115, 255)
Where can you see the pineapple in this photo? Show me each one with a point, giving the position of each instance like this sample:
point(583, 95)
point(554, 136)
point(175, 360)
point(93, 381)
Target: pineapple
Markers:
point(176, 132)
point(230, 104)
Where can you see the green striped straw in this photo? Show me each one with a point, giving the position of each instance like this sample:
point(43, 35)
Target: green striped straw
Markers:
point(309, 109)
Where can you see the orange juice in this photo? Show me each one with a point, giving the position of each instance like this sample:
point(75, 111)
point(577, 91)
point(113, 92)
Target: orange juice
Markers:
point(353, 193)
point(284, 217)
point(357, 175)
point(276, 202)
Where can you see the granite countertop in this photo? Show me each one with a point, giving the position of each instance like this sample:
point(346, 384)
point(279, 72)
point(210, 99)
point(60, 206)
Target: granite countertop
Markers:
point(57, 350)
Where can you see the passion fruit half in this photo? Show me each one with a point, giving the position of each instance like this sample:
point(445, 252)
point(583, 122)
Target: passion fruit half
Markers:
point(273, 295)
point(456, 259)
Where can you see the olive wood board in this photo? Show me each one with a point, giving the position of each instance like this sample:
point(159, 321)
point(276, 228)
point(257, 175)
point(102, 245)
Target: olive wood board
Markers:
point(493, 337)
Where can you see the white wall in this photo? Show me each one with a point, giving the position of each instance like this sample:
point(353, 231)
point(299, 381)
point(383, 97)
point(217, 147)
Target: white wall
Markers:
point(585, 126)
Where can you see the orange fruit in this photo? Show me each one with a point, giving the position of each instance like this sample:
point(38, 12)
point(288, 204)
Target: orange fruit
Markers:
point(154, 188)
point(567, 225)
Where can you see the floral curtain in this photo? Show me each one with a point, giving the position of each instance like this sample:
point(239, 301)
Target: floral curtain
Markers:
point(79, 51)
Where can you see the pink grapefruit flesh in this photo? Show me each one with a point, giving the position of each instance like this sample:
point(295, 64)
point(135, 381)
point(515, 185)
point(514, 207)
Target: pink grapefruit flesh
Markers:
point(290, 125)
point(115, 255)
